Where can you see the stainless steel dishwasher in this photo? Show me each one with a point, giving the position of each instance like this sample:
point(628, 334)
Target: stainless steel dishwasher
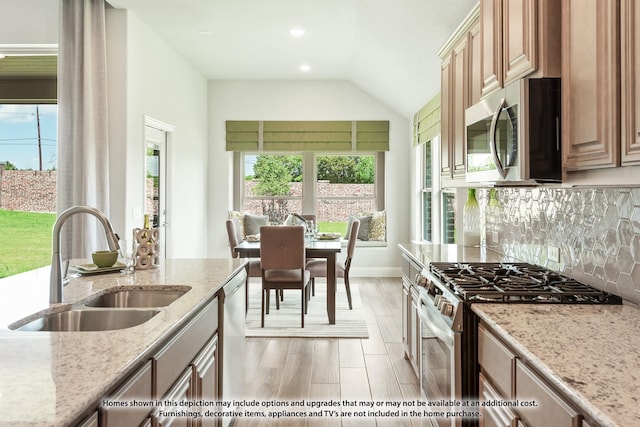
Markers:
point(232, 300)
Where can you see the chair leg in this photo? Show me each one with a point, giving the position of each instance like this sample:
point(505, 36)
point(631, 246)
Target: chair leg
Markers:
point(278, 292)
point(304, 307)
point(348, 289)
point(268, 296)
point(262, 310)
point(313, 286)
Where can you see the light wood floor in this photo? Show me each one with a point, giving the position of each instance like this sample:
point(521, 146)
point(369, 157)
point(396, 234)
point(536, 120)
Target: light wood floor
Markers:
point(291, 369)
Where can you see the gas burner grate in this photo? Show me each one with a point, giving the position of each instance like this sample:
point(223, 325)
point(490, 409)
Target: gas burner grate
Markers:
point(516, 282)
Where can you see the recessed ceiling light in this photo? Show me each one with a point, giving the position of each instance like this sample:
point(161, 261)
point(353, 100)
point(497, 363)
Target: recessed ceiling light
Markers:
point(296, 32)
point(305, 67)
point(204, 32)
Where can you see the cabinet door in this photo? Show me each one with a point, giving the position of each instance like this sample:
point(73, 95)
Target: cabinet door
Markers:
point(519, 38)
point(181, 391)
point(475, 63)
point(137, 387)
point(491, 40)
point(551, 409)
point(590, 84)
point(406, 317)
point(205, 378)
point(459, 103)
point(493, 416)
point(630, 81)
point(446, 171)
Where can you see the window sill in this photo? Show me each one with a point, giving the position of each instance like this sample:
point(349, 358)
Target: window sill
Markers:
point(366, 243)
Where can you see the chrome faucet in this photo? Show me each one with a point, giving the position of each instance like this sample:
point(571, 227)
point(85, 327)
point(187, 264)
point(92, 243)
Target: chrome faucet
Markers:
point(55, 289)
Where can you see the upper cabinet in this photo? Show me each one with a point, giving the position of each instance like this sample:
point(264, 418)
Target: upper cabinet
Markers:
point(519, 38)
point(590, 84)
point(460, 88)
point(499, 41)
point(630, 81)
point(601, 97)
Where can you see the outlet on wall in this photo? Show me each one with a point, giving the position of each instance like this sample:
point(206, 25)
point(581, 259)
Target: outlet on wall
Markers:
point(553, 253)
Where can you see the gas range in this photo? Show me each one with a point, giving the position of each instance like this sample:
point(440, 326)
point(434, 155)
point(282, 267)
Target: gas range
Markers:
point(516, 282)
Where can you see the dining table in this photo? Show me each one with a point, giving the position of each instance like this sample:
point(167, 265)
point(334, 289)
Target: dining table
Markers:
point(314, 249)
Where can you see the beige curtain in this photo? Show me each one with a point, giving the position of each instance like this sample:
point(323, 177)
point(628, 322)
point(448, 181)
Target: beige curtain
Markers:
point(83, 157)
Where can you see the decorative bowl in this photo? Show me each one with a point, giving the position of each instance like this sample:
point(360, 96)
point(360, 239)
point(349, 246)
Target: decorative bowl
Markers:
point(104, 259)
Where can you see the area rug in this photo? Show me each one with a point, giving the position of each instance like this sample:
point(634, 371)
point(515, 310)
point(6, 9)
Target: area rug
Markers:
point(286, 321)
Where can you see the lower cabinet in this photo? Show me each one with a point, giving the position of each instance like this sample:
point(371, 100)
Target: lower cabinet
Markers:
point(493, 416)
point(185, 368)
point(506, 376)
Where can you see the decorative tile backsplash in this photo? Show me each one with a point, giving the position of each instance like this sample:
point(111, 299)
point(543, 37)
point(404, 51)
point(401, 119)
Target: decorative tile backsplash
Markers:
point(596, 229)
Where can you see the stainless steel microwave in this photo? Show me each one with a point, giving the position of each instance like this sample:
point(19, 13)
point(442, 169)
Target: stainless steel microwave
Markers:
point(513, 135)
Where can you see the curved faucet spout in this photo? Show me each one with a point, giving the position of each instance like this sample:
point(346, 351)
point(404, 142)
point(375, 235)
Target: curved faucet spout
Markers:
point(55, 289)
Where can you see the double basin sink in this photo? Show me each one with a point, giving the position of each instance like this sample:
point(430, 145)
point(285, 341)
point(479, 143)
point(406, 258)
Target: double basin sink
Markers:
point(115, 309)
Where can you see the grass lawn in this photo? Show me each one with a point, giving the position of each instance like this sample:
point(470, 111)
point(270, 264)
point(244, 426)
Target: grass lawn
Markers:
point(25, 241)
point(332, 227)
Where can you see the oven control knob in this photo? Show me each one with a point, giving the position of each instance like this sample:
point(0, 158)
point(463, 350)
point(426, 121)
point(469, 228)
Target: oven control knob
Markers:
point(446, 308)
point(437, 300)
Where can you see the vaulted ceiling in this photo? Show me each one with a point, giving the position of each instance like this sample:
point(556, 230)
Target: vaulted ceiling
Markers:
point(386, 47)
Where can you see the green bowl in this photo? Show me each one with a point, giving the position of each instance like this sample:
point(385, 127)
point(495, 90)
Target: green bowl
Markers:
point(104, 259)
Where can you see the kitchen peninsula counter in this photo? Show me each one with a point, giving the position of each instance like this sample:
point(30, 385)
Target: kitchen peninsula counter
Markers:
point(587, 352)
point(54, 378)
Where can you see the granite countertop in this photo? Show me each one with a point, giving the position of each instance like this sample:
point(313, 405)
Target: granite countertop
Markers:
point(51, 378)
point(425, 253)
point(589, 353)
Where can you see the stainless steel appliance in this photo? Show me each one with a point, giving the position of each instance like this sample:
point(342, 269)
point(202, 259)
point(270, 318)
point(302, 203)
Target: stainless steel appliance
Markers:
point(448, 365)
point(513, 135)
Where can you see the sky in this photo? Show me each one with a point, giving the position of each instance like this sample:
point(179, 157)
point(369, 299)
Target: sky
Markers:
point(19, 135)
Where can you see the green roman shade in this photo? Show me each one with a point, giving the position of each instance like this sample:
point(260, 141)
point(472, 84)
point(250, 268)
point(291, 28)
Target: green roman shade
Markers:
point(426, 122)
point(325, 136)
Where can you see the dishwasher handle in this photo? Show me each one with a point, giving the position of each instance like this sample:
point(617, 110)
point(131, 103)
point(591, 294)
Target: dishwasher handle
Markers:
point(234, 285)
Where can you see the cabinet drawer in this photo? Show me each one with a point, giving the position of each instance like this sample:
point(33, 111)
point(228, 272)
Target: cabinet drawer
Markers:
point(493, 416)
point(409, 268)
point(137, 387)
point(496, 360)
point(551, 409)
point(169, 362)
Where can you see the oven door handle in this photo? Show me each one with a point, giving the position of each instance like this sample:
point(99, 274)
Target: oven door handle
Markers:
point(436, 328)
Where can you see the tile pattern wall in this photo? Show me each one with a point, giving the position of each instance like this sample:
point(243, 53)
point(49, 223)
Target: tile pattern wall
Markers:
point(596, 229)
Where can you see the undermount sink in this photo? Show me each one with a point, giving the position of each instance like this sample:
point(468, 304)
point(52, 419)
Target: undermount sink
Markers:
point(78, 320)
point(140, 298)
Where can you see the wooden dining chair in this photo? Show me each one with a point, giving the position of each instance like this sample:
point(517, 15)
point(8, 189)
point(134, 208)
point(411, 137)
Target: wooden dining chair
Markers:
point(318, 267)
point(282, 262)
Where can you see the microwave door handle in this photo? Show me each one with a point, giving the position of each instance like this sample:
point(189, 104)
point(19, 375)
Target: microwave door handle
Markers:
point(492, 142)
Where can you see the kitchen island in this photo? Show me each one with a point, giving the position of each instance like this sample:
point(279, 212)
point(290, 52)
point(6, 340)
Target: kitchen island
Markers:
point(586, 355)
point(57, 378)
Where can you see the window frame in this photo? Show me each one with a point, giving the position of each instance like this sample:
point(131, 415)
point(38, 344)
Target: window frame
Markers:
point(309, 179)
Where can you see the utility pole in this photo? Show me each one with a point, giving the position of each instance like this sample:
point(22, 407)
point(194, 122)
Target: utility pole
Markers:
point(39, 139)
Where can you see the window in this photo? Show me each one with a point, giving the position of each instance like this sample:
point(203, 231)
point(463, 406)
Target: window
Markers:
point(272, 185)
point(427, 193)
point(28, 156)
point(448, 217)
point(331, 186)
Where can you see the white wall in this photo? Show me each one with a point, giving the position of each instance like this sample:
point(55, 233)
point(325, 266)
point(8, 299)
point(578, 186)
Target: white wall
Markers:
point(147, 77)
point(29, 22)
point(308, 100)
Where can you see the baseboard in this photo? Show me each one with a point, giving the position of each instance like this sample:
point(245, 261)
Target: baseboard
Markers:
point(375, 272)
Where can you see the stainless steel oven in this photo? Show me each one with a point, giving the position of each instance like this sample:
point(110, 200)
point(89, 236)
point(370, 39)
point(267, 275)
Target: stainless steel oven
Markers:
point(440, 350)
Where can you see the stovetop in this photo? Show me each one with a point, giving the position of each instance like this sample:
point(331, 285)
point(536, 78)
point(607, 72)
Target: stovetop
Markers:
point(516, 282)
